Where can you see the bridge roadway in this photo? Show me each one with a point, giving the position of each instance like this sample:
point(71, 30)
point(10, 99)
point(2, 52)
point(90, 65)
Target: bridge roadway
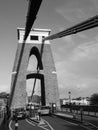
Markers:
point(47, 123)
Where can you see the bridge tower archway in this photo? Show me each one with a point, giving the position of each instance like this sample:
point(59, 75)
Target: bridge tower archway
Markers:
point(42, 85)
point(46, 67)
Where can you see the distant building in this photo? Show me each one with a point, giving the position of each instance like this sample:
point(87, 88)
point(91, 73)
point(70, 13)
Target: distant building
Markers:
point(35, 99)
point(3, 99)
point(76, 101)
point(64, 101)
point(2, 103)
point(82, 101)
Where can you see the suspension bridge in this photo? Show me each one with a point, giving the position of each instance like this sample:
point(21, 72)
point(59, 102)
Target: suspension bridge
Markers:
point(37, 42)
point(33, 9)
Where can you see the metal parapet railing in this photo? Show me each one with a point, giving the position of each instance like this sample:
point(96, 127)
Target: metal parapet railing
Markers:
point(2, 113)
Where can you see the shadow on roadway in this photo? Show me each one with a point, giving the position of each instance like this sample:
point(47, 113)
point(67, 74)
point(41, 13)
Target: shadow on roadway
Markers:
point(4, 125)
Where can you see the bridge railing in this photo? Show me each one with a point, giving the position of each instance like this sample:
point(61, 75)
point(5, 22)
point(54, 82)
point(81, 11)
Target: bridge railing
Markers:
point(2, 113)
point(87, 110)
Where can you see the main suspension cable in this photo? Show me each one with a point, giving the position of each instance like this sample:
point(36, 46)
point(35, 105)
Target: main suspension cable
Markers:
point(88, 24)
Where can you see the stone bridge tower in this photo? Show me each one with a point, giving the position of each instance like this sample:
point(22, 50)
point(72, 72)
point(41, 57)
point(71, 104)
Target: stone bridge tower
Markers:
point(47, 74)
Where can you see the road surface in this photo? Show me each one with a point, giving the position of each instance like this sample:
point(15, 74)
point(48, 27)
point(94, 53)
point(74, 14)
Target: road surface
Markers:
point(47, 123)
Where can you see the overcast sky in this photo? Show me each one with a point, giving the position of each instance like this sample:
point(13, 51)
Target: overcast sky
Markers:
point(76, 56)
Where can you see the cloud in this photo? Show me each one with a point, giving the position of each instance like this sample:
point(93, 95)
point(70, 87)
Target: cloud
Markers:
point(79, 72)
point(79, 85)
point(71, 15)
point(81, 35)
point(75, 10)
point(64, 48)
point(68, 39)
point(95, 2)
point(87, 50)
point(78, 54)
point(83, 60)
point(4, 88)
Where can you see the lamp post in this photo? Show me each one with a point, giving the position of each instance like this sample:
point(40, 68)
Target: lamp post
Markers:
point(69, 97)
point(70, 100)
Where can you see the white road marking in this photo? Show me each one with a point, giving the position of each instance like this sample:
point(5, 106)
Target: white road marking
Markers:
point(85, 127)
point(48, 125)
point(93, 125)
point(30, 122)
point(10, 125)
point(41, 125)
point(71, 123)
point(43, 128)
point(88, 127)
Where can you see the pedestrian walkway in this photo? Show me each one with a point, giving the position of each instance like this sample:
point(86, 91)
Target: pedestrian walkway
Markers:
point(68, 115)
point(1, 120)
point(87, 113)
point(77, 117)
point(4, 125)
point(1, 116)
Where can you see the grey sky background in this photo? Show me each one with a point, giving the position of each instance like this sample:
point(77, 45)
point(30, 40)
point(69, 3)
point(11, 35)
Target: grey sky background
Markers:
point(76, 56)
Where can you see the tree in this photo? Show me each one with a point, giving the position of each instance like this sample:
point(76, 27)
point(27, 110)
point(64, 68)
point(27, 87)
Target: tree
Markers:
point(94, 99)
